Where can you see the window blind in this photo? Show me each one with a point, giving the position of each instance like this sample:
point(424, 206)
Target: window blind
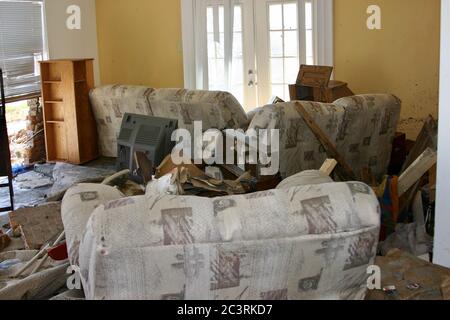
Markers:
point(21, 45)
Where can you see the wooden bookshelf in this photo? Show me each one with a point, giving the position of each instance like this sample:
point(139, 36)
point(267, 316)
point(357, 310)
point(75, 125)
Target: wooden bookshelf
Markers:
point(69, 124)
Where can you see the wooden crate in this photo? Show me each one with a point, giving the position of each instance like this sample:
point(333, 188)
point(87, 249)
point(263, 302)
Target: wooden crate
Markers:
point(70, 127)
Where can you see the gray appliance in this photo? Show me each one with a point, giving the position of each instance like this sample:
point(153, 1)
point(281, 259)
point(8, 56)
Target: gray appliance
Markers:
point(150, 135)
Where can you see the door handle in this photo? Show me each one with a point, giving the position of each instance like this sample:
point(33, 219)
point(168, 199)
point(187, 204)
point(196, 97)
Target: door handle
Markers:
point(252, 82)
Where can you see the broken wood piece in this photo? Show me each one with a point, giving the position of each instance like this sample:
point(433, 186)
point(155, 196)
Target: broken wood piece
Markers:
point(32, 261)
point(167, 166)
point(40, 264)
point(214, 172)
point(432, 181)
point(329, 147)
point(5, 240)
point(426, 139)
point(328, 166)
point(44, 252)
point(202, 185)
point(236, 185)
point(233, 169)
point(417, 170)
point(37, 224)
point(445, 288)
point(144, 166)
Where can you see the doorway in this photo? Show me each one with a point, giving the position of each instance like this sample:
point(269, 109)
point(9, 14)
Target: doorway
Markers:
point(253, 48)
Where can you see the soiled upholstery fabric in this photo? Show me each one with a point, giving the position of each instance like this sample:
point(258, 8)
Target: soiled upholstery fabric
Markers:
point(219, 110)
point(77, 206)
point(362, 127)
point(306, 242)
point(305, 178)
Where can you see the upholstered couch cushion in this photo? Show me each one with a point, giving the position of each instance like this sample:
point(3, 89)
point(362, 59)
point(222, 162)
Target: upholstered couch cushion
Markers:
point(362, 127)
point(218, 110)
point(307, 242)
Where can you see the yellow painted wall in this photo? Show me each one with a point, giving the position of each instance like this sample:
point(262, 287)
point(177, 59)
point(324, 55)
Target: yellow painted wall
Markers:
point(402, 58)
point(140, 42)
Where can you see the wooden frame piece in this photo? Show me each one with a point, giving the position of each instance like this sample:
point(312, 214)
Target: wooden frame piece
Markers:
point(314, 76)
point(330, 148)
point(416, 171)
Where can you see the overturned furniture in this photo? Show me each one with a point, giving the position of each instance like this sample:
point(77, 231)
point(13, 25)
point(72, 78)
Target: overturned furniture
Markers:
point(362, 127)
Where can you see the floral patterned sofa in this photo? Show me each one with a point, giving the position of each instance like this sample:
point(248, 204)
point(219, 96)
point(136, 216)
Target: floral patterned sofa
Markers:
point(215, 109)
point(362, 127)
point(291, 243)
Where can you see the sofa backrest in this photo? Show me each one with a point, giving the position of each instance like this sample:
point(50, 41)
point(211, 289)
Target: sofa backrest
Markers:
point(219, 110)
point(362, 127)
point(305, 242)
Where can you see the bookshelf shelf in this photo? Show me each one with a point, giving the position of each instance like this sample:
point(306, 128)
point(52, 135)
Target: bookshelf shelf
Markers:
point(70, 128)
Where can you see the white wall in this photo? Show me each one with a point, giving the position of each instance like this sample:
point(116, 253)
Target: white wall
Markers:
point(63, 43)
point(442, 232)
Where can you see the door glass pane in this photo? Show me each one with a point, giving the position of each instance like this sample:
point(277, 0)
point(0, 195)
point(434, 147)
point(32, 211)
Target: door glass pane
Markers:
point(291, 67)
point(237, 82)
point(291, 43)
point(276, 17)
point(276, 44)
point(308, 15)
point(277, 72)
point(237, 69)
point(309, 33)
point(237, 45)
point(216, 53)
point(237, 19)
point(278, 90)
point(290, 16)
point(309, 44)
point(284, 47)
point(210, 20)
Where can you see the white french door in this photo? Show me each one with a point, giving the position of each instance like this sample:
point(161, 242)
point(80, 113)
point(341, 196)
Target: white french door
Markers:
point(252, 48)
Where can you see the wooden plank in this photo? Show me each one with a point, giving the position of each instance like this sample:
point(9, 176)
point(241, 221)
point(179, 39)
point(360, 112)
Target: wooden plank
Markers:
point(417, 170)
point(38, 224)
point(144, 166)
point(330, 148)
point(426, 139)
point(432, 182)
point(445, 288)
point(328, 166)
point(5, 240)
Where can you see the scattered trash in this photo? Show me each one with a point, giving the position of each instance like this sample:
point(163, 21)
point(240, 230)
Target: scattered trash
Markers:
point(59, 252)
point(413, 286)
point(390, 290)
point(67, 175)
point(5, 240)
point(419, 280)
point(19, 168)
point(37, 224)
point(5, 265)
